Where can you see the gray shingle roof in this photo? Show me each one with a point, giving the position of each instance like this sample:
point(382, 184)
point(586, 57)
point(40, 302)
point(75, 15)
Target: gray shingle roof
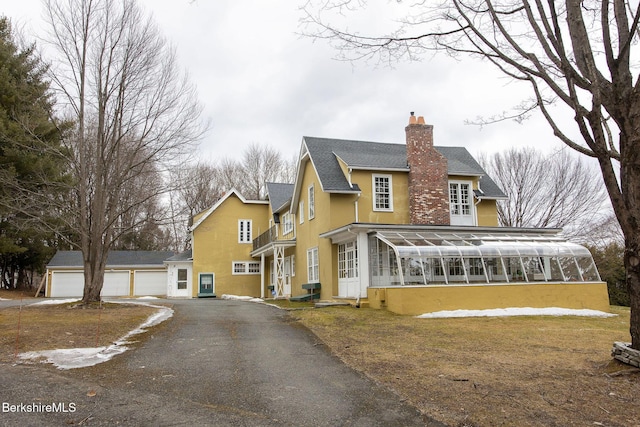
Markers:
point(324, 153)
point(279, 195)
point(182, 256)
point(115, 258)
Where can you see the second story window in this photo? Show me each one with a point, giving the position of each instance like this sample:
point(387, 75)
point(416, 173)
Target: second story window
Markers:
point(382, 193)
point(461, 203)
point(312, 203)
point(287, 223)
point(244, 231)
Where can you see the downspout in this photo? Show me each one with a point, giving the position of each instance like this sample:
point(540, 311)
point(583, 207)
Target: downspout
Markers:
point(355, 202)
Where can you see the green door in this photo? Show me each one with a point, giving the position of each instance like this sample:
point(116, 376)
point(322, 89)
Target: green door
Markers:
point(206, 288)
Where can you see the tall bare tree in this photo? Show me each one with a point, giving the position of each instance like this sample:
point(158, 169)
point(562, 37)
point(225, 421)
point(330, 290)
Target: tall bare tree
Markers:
point(581, 55)
point(135, 115)
point(260, 164)
point(557, 190)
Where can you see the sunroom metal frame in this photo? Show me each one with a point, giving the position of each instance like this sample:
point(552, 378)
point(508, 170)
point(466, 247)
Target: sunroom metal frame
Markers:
point(541, 249)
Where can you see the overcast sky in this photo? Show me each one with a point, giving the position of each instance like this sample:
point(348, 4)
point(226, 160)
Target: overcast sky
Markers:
point(260, 82)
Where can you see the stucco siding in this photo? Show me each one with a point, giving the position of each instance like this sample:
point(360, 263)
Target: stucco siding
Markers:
point(216, 247)
point(427, 299)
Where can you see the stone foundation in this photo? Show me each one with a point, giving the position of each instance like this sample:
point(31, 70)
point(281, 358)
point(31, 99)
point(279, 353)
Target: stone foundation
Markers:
point(623, 352)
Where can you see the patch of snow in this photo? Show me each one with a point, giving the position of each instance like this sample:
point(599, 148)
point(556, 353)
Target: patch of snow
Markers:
point(83, 357)
point(516, 311)
point(56, 301)
point(241, 298)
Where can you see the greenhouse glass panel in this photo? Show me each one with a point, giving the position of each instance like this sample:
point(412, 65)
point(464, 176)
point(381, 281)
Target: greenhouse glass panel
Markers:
point(454, 269)
point(533, 269)
point(495, 270)
point(588, 269)
point(475, 270)
point(570, 269)
point(553, 270)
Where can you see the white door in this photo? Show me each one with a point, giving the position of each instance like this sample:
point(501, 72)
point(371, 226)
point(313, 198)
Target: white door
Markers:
point(348, 280)
point(287, 277)
point(116, 284)
point(179, 278)
point(67, 284)
point(153, 283)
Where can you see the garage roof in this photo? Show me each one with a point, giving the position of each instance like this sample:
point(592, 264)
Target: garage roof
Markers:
point(115, 259)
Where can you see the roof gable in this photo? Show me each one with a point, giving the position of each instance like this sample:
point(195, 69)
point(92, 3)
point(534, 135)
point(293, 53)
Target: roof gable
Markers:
point(279, 195)
point(228, 194)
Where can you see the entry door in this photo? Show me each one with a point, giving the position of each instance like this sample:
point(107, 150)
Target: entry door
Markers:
point(206, 285)
point(287, 277)
point(348, 280)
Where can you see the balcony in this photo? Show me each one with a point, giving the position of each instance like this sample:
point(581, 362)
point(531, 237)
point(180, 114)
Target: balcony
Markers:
point(269, 236)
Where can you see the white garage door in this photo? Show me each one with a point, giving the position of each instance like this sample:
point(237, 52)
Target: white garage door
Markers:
point(150, 283)
point(116, 284)
point(67, 284)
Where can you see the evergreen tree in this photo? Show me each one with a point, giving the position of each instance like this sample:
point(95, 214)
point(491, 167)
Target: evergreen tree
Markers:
point(28, 173)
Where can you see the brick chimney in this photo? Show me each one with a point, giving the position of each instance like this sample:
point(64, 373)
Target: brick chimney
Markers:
point(428, 176)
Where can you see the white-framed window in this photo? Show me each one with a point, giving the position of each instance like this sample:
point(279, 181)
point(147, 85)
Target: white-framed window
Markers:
point(382, 192)
point(313, 271)
point(312, 202)
point(287, 223)
point(461, 202)
point(293, 265)
point(301, 210)
point(244, 231)
point(245, 267)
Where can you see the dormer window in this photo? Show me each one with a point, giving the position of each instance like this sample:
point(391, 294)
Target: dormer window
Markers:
point(382, 193)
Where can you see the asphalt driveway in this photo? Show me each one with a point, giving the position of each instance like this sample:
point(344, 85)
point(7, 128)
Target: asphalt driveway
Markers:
point(216, 362)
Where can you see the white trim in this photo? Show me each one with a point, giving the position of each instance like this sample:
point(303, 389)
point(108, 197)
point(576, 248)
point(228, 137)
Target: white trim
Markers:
point(311, 201)
point(301, 209)
point(245, 231)
point(460, 218)
point(374, 193)
point(313, 274)
point(246, 268)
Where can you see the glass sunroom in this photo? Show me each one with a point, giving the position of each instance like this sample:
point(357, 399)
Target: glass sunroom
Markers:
point(407, 258)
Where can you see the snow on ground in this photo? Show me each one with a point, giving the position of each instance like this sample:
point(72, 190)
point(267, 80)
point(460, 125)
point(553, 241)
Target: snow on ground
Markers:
point(516, 311)
point(82, 357)
point(241, 298)
point(56, 301)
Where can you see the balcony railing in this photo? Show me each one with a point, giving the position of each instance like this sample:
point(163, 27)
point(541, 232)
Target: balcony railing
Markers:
point(271, 235)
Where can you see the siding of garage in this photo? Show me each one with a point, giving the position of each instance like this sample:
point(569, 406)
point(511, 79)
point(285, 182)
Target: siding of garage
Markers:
point(128, 273)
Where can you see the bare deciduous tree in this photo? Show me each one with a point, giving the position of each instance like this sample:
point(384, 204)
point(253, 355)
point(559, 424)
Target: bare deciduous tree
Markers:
point(580, 55)
point(135, 115)
point(557, 190)
point(260, 164)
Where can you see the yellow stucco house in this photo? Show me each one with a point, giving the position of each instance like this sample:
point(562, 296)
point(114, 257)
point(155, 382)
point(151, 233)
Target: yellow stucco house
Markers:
point(411, 227)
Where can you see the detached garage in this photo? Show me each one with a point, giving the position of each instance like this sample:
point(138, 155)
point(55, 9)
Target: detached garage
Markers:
point(128, 273)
